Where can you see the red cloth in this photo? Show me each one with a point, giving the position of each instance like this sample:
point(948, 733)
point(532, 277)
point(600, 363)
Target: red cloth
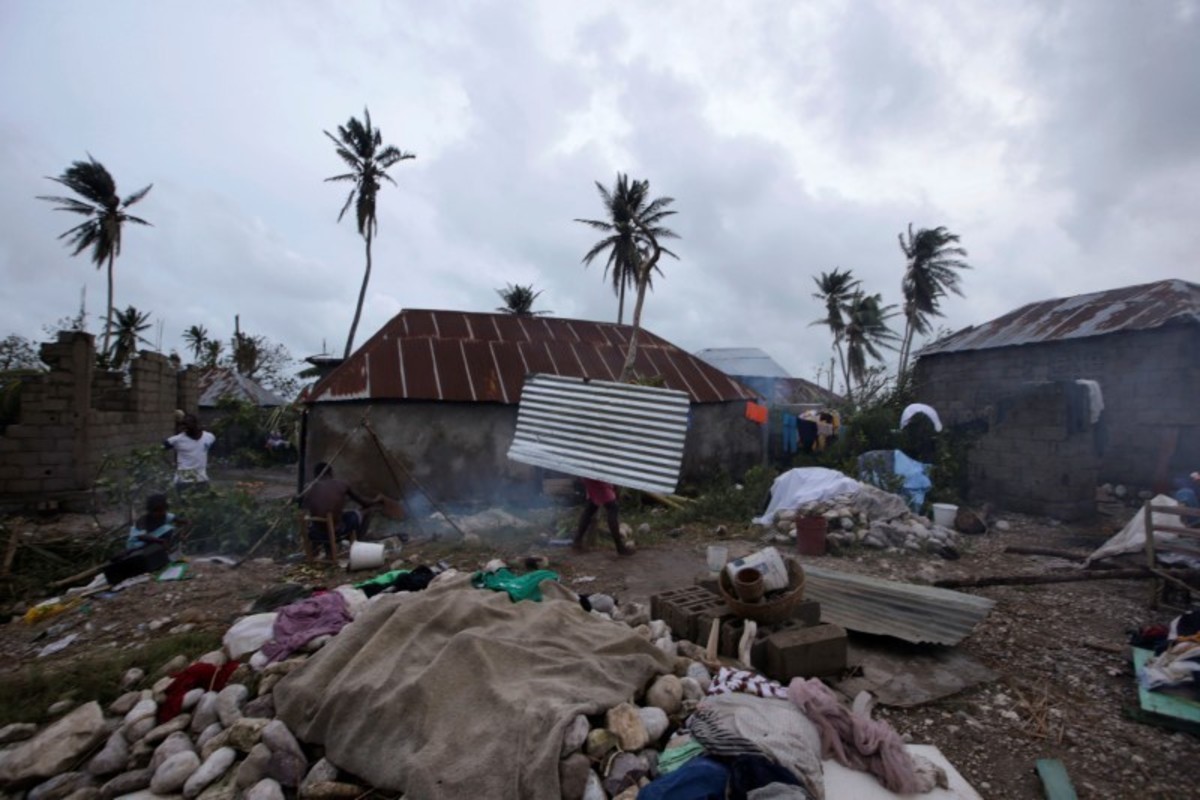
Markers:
point(599, 492)
point(196, 676)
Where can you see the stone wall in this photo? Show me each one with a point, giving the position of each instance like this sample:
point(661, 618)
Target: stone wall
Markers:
point(74, 415)
point(1040, 453)
point(1150, 381)
point(459, 451)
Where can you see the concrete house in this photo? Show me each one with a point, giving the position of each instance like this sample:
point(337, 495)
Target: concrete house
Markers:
point(439, 390)
point(1140, 343)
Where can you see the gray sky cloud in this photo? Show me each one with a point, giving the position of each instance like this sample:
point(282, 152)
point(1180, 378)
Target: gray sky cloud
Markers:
point(1060, 140)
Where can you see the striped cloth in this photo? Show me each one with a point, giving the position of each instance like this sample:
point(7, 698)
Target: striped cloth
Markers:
point(729, 680)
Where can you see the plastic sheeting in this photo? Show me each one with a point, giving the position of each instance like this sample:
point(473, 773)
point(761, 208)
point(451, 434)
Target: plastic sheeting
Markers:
point(916, 478)
point(805, 485)
point(1132, 538)
point(913, 409)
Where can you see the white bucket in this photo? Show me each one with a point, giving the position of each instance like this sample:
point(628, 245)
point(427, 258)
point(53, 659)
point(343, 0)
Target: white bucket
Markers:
point(944, 514)
point(366, 555)
point(717, 556)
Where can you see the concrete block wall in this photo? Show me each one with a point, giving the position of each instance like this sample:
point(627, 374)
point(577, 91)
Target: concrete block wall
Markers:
point(1150, 381)
point(1038, 456)
point(74, 416)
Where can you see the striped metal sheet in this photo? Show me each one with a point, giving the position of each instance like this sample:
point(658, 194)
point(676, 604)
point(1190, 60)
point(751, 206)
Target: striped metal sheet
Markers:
point(907, 611)
point(470, 357)
point(628, 435)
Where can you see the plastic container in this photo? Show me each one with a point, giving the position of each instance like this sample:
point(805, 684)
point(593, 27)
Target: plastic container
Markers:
point(366, 555)
point(717, 556)
point(944, 514)
point(810, 535)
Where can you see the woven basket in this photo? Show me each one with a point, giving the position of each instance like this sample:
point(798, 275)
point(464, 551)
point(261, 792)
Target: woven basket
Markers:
point(773, 609)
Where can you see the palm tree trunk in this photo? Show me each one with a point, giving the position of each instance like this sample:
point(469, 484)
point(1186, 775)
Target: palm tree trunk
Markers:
point(631, 352)
point(108, 316)
point(621, 304)
point(362, 295)
point(905, 344)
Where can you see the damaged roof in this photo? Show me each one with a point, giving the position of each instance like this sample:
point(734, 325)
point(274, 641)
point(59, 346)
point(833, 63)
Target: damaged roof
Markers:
point(464, 356)
point(219, 382)
point(1132, 308)
point(743, 361)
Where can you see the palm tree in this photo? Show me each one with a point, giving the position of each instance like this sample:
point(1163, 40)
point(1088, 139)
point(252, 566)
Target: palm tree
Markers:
point(127, 335)
point(518, 300)
point(627, 247)
point(362, 148)
point(196, 337)
point(866, 332)
point(835, 290)
point(933, 259)
point(107, 215)
point(212, 352)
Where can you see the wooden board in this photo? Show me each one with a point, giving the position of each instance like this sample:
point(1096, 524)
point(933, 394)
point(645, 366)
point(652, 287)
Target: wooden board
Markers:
point(1177, 709)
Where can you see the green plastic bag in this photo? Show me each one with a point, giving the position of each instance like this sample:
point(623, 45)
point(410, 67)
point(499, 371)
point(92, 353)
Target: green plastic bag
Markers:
point(519, 587)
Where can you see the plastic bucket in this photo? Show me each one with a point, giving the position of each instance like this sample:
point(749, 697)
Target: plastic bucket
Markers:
point(366, 555)
point(944, 514)
point(717, 556)
point(810, 535)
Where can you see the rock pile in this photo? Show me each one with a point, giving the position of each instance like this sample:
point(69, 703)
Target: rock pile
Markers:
point(870, 517)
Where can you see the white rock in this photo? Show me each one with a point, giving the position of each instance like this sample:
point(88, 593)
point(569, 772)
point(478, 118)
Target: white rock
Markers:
point(665, 693)
point(191, 698)
point(205, 713)
point(132, 677)
point(1002, 525)
point(659, 629)
point(266, 789)
point(215, 657)
point(594, 790)
point(213, 768)
point(667, 646)
point(655, 720)
point(113, 758)
point(575, 735)
point(691, 689)
point(179, 723)
point(208, 733)
point(277, 737)
point(322, 772)
point(625, 723)
point(141, 710)
point(173, 745)
point(229, 703)
point(57, 748)
point(173, 773)
point(602, 603)
point(254, 768)
point(699, 673)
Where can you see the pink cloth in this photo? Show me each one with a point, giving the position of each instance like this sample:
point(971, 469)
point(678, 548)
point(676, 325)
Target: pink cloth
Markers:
point(856, 740)
point(599, 492)
point(305, 620)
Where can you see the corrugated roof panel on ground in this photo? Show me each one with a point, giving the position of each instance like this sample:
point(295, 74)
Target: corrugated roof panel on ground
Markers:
point(919, 614)
point(632, 436)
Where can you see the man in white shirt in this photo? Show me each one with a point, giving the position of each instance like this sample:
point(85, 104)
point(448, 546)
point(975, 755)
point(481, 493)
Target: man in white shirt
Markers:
point(191, 454)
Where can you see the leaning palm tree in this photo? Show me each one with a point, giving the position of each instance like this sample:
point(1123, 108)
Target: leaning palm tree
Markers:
point(835, 290)
point(361, 147)
point(128, 327)
point(933, 261)
point(649, 251)
point(213, 348)
point(867, 333)
point(519, 300)
point(627, 246)
point(107, 214)
point(196, 337)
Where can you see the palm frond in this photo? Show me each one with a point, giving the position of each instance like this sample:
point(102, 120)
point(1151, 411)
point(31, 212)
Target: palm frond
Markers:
point(136, 196)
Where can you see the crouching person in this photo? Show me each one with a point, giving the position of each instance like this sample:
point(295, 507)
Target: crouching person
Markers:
point(326, 497)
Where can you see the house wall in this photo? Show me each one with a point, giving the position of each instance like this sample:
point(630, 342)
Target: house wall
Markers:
point(74, 416)
point(459, 451)
point(1040, 454)
point(1150, 381)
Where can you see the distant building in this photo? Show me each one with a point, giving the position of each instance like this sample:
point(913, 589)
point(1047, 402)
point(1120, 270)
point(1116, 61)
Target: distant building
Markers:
point(754, 368)
point(219, 383)
point(441, 388)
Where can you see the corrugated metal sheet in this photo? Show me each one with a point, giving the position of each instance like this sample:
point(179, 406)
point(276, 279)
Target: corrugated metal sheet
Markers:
point(463, 356)
point(1132, 308)
point(629, 435)
point(743, 361)
point(220, 382)
point(913, 613)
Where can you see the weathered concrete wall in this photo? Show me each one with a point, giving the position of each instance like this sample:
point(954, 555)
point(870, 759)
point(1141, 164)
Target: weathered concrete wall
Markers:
point(74, 416)
point(1040, 453)
point(459, 451)
point(1150, 380)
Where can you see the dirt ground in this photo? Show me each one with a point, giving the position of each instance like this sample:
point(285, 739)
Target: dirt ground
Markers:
point(1059, 649)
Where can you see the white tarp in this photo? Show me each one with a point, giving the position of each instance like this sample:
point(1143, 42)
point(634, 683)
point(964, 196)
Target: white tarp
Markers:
point(805, 485)
point(1132, 538)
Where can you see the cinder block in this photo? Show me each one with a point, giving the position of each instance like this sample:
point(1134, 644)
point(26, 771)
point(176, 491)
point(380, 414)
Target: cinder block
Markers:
point(676, 606)
point(731, 637)
point(703, 621)
point(806, 652)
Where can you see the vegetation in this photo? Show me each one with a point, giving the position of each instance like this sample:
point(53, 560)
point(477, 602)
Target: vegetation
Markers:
point(835, 289)
point(632, 224)
point(107, 215)
point(933, 262)
point(722, 499)
point(362, 148)
point(126, 336)
point(519, 300)
point(17, 352)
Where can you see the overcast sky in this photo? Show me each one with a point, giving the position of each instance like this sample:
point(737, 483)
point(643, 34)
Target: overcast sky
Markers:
point(1060, 140)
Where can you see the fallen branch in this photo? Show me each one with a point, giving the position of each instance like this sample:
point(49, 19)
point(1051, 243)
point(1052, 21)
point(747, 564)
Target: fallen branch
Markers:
point(1070, 555)
point(78, 576)
point(664, 500)
point(1025, 580)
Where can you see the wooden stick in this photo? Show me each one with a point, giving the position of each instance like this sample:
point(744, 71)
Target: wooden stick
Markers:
point(79, 576)
point(1070, 555)
point(1024, 580)
point(10, 552)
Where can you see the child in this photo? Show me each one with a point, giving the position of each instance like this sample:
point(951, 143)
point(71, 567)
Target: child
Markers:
point(156, 526)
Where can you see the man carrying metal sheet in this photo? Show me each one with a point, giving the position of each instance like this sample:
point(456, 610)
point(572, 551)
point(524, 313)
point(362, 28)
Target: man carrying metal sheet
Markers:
point(600, 494)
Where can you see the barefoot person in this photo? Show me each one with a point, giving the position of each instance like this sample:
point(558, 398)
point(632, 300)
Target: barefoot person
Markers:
point(327, 496)
point(600, 494)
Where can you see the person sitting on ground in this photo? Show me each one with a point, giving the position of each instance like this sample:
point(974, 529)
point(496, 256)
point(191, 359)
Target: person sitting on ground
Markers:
point(327, 495)
point(191, 448)
point(600, 494)
point(156, 526)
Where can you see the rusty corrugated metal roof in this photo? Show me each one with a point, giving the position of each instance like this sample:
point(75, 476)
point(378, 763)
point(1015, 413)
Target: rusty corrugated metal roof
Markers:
point(219, 382)
point(469, 356)
point(1132, 308)
point(632, 436)
point(904, 610)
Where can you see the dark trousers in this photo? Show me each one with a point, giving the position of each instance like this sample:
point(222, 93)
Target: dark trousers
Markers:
point(589, 512)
